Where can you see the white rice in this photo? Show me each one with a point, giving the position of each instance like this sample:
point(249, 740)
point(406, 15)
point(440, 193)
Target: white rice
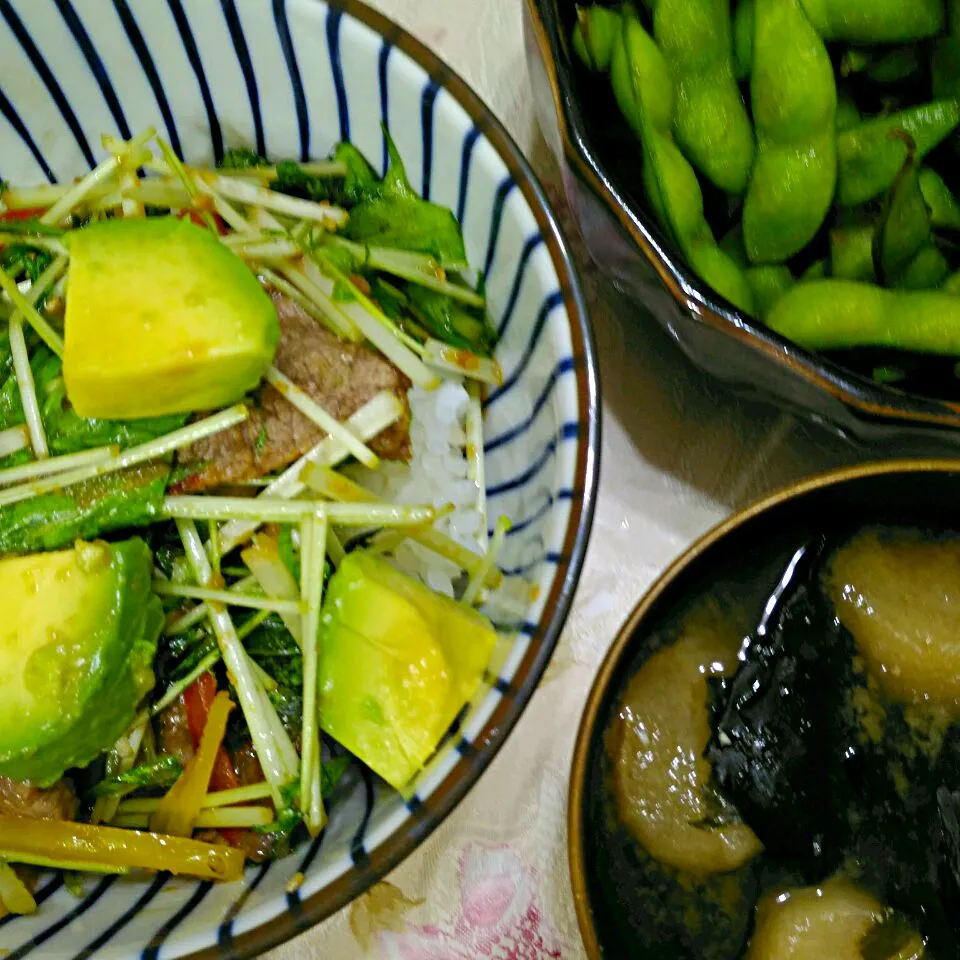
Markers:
point(435, 475)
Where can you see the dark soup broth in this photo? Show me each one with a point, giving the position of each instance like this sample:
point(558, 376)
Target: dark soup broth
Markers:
point(779, 776)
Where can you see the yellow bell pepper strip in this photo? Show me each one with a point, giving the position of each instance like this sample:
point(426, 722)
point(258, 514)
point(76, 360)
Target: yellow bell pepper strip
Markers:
point(180, 807)
point(60, 844)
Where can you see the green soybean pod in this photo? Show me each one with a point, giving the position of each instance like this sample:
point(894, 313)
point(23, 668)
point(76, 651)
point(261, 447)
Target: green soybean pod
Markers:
point(638, 69)
point(769, 284)
point(842, 314)
point(876, 21)
point(644, 92)
point(851, 253)
point(926, 271)
point(943, 205)
point(794, 97)
point(903, 228)
point(869, 158)
point(743, 21)
point(952, 284)
point(848, 113)
point(594, 34)
point(710, 121)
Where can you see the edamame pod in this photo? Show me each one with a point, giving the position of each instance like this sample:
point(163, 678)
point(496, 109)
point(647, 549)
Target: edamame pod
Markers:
point(840, 314)
point(943, 205)
point(904, 225)
point(594, 35)
point(710, 120)
point(869, 158)
point(875, 21)
point(768, 284)
point(743, 21)
point(926, 271)
point(848, 113)
point(644, 92)
point(794, 106)
point(851, 258)
point(851, 253)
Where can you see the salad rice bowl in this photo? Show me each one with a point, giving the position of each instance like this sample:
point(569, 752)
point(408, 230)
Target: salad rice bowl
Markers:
point(298, 450)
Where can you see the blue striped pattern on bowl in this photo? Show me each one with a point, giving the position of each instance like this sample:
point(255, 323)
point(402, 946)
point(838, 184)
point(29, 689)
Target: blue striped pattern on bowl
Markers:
point(290, 79)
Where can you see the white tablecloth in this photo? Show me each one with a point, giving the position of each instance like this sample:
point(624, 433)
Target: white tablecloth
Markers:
point(679, 454)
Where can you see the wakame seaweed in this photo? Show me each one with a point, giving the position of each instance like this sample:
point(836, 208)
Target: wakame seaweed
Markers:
point(779, 748)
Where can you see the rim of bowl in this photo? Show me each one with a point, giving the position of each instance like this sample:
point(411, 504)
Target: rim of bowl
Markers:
point(613, 659)
point(435, 808)
point(871, 402)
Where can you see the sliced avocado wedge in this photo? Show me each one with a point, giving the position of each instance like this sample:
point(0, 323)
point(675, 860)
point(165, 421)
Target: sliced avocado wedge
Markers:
point(397, 664)
point(161, 318)
point(77, 641)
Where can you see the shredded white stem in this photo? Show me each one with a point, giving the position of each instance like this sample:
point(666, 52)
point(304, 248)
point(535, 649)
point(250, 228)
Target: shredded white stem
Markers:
point(253, 194)
point(27, 388)
point(27, 311)
point(500, 530)
point(313, 539)
point(316, 168)
point(219, 798)
point(14, 440)
point(325, 421)
point(476, 468)
point(276, 753)
point(152, 450)
point(164, 588)
point(120, 759)
point(307, 278)
point(55, 465)
point(455, 360)
point(14, 895)
point(62, 208)
point(266, 510)
point(284, 286)
point(263, 559)
point(422, 270)
point(207, 663)
point(235, 817)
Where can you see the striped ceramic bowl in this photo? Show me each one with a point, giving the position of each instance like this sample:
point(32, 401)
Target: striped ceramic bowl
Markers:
point(290, 78)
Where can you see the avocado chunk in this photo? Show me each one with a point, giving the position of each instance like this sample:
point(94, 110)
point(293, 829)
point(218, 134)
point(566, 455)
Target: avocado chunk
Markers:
point(397, 664)
point(161, 318)
point(77, 641)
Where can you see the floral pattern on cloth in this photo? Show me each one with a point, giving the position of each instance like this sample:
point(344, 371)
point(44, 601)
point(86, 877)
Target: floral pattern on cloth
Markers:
point(500, 915)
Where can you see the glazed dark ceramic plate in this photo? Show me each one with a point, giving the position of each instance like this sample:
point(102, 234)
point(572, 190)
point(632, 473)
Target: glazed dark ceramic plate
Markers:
point(606, 902)
point(601, 163)
point(291, 78)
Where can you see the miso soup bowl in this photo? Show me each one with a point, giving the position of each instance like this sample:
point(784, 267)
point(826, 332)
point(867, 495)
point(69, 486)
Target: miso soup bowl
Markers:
point(600, 160)
point(920, 493)
point(290, 78)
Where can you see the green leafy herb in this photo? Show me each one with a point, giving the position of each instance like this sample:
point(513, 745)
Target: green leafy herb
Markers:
point(241, 158)
point(274, 649)
point(24, 262)
point(331, 773)
point(160, 773)
point(450, 321)
point(261, 440)
point(289, 553)
point(396, 216)
point(115, 501)
point(292, 179)
point(360, 182)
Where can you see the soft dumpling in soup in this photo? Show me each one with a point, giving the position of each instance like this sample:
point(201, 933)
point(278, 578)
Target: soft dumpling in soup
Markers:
point(661, 772)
